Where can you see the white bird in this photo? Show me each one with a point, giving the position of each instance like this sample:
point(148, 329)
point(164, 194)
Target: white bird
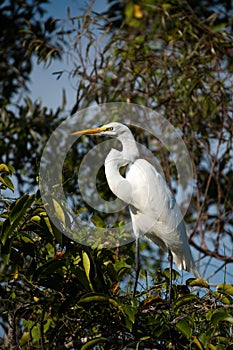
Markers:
point(153, 208)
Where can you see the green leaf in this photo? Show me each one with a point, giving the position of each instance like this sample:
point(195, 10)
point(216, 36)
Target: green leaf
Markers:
point(197, 342)
point(50, 267)
point(223, 298)
point(46, 221)
point(11, 169)
point(50, 249)
point(175, 274)
point(4, 169)
point(6, 181)
point(94, 298)
point(197, 282)
point(36, 332)
point(90, 344)
point(57, 234)
point(225, 289)
point(87, 267)
point(184, 300)
point(5, 230)
point(25, 338)
point(221, 315)
point(20, 207)
point(185, 328)
point(130, 311)
point(97, 221)
point(100, 298)
point(5, 251)
point(59, 211)
point(18, 211)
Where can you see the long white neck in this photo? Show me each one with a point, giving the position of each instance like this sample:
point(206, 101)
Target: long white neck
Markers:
point(117, 159)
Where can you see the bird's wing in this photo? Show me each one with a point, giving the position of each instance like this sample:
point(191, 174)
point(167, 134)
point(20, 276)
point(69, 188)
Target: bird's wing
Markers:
point(149, 189)
point(155, 210)
point(156, 214)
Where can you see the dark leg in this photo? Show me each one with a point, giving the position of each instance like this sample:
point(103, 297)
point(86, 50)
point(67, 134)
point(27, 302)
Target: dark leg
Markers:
point(170, 259)
point(137, 258)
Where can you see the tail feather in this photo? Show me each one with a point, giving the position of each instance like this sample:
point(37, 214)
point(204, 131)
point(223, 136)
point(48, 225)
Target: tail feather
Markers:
point(187, 264)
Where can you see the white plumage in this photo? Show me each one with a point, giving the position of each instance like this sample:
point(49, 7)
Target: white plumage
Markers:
point(153, 208)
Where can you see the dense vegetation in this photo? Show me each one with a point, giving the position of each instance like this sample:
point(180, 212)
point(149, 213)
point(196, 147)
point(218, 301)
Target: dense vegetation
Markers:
point(174, 57)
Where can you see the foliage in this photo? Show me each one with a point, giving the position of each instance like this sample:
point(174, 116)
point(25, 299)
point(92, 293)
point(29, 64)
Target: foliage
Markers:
point(25, 125)
point(58, 294)
point(175, 57)
point(26, 129)
point(16, 18)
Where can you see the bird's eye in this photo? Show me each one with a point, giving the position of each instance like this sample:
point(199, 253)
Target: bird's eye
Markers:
point(109, 129)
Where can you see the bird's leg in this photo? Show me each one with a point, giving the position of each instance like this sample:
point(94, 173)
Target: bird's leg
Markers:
point(170, 259)
point(137, 258)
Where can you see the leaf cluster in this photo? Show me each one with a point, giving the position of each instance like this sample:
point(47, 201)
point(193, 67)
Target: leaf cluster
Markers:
point(56, 293)
point(25, 125)
point(18, 18)
point(25, 130)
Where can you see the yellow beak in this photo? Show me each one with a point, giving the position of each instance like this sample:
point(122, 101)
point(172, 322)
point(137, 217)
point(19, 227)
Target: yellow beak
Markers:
point(89, 131)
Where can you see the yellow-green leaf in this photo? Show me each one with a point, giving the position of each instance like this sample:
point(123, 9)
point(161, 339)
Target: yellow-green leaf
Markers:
point(91, 344)
point(4, 169)
point(97, 221)
point(6, 181)
point(87, 267)
point(197, 282)
point(224, 298)
point(100, 298)
point(225, 289)
point(59, 211)
point(197, 342)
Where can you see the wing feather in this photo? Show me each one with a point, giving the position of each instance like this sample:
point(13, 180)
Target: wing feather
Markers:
point(156, 213)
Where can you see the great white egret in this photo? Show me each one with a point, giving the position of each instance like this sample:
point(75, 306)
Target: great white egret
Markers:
point(153, 208)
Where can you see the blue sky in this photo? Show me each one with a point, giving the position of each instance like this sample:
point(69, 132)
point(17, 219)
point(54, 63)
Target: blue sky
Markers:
point(44, 84)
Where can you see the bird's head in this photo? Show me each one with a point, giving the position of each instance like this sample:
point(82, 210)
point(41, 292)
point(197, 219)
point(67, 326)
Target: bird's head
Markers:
point(113, 129)
point(120, 132)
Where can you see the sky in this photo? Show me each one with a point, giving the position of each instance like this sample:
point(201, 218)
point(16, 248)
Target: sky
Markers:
point(44, 84)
